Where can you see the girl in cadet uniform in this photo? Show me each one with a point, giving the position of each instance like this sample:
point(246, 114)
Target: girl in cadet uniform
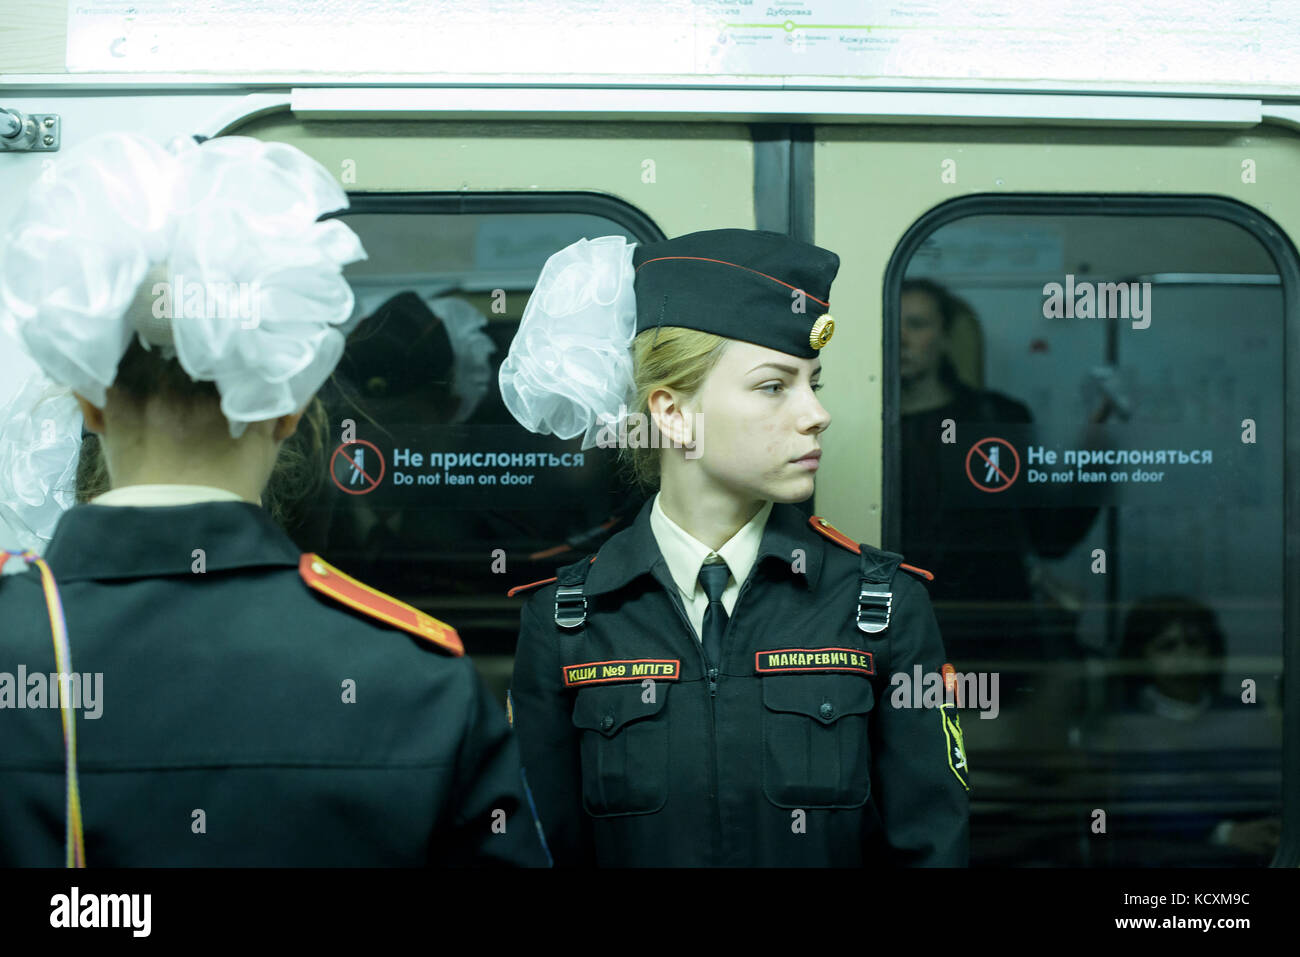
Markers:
point(713, 686)
point(226, 700)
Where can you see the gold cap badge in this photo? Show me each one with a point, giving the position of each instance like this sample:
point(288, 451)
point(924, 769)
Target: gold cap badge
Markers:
point(821, 332)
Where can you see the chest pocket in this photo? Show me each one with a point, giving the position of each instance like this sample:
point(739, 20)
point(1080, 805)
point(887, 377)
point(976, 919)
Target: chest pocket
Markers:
point(624, 748)
point(816, 750)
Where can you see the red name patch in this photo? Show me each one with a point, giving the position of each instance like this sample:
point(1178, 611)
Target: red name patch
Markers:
point(630, 669)
point(814, 659)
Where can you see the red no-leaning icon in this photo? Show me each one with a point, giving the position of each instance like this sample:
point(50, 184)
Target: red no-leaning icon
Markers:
point(356, 467)
point(996, 477)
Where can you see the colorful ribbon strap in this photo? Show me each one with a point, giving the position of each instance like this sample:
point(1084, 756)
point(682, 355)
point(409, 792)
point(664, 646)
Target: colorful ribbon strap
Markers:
point(75, 836)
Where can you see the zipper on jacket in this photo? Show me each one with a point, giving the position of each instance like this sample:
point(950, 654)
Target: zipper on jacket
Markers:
point(713, 687)
point(712, 675)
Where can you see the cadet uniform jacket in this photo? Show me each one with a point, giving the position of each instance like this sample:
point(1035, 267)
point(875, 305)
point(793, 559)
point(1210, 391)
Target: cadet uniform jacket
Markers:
point(794, 753)
point(244, 717)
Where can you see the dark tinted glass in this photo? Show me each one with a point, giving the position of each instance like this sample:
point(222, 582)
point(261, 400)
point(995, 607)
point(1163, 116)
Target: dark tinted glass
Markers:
point(1091, 440)
point(439, 497)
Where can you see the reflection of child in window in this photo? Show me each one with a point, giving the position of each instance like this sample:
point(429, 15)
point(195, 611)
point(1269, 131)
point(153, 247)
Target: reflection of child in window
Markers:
point(1176, 650)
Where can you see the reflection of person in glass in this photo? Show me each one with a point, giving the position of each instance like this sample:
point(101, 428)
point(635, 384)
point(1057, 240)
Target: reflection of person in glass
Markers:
point(979, 556)
point(1178, 649)
point(1175, 652)
point(773, 705)
point(397, 371)
point(420, 373)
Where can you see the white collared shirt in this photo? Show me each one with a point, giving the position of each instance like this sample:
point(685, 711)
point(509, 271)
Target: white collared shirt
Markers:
point(685, 554)
point(152, 495)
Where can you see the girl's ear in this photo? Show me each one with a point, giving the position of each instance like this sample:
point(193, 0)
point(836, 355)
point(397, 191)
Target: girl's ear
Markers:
point(92, 415)
point(668, 415)
point(286, 425)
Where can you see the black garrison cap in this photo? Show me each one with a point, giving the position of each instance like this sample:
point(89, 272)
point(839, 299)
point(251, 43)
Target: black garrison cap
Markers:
point(400, 348)
point(741, 284)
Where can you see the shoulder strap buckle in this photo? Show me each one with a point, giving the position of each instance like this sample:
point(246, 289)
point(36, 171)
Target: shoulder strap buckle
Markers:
point(874, 605)
point(875, 595)
point(570, 602)
point(570, 606)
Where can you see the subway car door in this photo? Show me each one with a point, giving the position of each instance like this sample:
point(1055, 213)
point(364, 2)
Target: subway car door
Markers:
point(1062, 368)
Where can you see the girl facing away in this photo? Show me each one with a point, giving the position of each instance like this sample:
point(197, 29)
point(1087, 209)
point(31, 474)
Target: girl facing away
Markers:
point(224, 700)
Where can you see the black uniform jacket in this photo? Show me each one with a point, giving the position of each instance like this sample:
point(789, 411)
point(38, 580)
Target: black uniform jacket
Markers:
point(223, 692)
point(792, 758)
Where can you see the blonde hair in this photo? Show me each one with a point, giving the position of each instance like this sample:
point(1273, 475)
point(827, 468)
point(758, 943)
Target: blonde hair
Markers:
point(666, 357)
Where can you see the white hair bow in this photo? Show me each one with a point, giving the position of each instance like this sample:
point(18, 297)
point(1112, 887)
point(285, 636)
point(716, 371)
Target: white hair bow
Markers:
point(40, 441)
point(569, 371)
point(255, 294)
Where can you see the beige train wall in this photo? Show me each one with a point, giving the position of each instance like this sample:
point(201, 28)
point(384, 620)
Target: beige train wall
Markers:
point(33, 37)
point(872, 181)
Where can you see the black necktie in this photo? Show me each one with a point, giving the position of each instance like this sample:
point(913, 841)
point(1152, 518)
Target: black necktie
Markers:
point(713, 578)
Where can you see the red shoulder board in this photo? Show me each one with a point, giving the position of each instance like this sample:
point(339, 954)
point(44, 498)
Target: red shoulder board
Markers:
point(328, 580)
point(839, 538)
point(834, 534)
point(520, 589)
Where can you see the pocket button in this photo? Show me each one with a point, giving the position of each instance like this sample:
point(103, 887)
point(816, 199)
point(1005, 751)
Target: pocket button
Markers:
point(607, 722)
point(827, 710)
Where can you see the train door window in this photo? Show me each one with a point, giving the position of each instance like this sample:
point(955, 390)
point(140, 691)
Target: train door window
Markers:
point(1088, 441)
point(422, 483)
